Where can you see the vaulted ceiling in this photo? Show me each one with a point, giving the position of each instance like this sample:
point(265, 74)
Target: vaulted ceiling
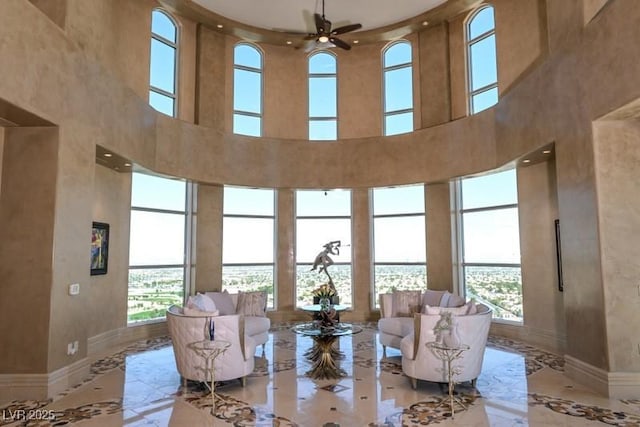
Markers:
point(286, 22)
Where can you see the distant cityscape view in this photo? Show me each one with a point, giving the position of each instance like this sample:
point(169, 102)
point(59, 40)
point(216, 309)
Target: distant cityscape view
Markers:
point(151, 291)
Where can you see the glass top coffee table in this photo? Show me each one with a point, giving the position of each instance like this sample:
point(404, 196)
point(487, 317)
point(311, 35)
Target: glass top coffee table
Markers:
point(323, 355)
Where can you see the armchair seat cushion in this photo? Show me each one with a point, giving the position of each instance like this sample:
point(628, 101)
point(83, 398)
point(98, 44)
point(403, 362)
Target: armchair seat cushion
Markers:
point(400, 326)
point(254, 325)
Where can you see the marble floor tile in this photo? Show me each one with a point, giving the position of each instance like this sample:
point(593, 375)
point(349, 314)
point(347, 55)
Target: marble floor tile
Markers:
point(138, 385)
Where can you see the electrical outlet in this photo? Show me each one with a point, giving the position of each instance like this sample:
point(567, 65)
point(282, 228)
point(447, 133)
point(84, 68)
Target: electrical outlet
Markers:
point(72, 348)
point(74, 289)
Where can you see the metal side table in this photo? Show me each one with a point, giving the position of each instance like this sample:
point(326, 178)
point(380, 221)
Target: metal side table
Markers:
point(449, 355)
point(209, 350)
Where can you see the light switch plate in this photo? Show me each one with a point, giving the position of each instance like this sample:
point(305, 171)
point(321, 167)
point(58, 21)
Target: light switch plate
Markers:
point(74, 289)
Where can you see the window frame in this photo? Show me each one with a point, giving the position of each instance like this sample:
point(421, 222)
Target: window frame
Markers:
point(462, 264)
point(471, 94)
point(186, 265)
point(272, 264)
point(176, 56)
point(310, 76)
point(259, 71)
point(310, 262)
point(396, 67)
point(374, 293)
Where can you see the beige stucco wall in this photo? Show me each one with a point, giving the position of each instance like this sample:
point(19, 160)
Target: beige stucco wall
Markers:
point(27, 209)
point(1, 153)
point(107, 298)
point(543, 307)
point(617, 158)
point(80, 82)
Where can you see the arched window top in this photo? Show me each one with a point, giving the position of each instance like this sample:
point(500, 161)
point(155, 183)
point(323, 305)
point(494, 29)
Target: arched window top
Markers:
point(164, 26)
point(397, 53)
point(247, 55)
point(482, 65)
point(481, 22)
point(322, 63)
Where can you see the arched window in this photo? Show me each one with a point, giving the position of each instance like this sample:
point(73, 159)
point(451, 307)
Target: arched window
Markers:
point(481, 55)
point(323, 105)
point(164, 65)
point(398, 88)
point(247, 90)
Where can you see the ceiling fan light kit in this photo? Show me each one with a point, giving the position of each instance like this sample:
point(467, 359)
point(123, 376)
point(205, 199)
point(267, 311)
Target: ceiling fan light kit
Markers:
point(324, 33)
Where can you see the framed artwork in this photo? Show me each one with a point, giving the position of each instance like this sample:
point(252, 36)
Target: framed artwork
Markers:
point(559, 256)
point(99, 248)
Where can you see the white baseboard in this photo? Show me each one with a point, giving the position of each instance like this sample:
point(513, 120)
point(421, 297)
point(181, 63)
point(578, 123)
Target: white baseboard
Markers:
point(542, 338)
point(116, 337)
point(616, 385)
point(43, 386)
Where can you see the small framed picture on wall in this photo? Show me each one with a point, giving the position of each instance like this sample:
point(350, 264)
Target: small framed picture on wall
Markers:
point(99, 248)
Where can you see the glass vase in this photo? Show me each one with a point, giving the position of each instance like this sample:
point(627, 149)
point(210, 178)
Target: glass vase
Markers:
point(325, 303)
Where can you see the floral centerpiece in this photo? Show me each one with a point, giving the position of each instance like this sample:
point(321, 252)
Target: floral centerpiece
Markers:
point(324, 293)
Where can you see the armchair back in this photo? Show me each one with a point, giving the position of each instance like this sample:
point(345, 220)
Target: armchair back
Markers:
point(418, 361)
point(236, 362)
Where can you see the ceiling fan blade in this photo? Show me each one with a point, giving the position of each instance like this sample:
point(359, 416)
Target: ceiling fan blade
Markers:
point(319, 22)
point(346, 29)
point(339, 43)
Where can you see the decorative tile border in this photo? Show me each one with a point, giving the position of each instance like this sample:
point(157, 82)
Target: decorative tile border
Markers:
point(535, 358)
point(232, 410)
point(432, 411)
point(589, 412)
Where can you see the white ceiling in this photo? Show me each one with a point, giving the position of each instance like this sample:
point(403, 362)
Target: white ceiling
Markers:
point(297, 15)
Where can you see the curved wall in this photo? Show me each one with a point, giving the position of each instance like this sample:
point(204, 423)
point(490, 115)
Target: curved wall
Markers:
point(76, 78)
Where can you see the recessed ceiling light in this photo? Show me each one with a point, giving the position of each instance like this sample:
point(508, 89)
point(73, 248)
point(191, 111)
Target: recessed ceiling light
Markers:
point(425, 23)
point(356, 41)
point(289, 42)
point(220, 26)
point(127, 165)
point(116, 168)
point(108, 155)
point(526, 161)
point(546, 151)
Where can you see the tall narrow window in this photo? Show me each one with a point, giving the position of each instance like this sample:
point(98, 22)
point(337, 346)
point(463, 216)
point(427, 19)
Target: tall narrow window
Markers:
point(323, 217)
point(399, 242)
point(491, 243)
point(156, 246)
point(163, 71)
point(398, 88)
point(247, 90)
point(248, 241)
point(323, 110)
point(482, 64)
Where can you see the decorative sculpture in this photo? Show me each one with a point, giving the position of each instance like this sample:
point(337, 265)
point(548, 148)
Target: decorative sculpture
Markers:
point(323, 260)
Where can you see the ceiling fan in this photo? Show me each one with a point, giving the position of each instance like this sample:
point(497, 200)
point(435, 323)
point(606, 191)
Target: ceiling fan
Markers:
point(324, 33)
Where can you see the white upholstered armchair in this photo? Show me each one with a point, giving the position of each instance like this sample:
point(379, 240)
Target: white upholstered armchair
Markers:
point(419, 362)
point(236, 362)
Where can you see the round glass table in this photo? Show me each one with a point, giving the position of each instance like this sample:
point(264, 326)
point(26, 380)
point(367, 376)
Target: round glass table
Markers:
point(323, 354)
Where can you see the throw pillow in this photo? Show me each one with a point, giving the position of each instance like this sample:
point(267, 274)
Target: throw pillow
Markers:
point(201, 302)
point(223, 302)
point(433, 298)
point(252, 303)
point(406, 303)
point(468, 308)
